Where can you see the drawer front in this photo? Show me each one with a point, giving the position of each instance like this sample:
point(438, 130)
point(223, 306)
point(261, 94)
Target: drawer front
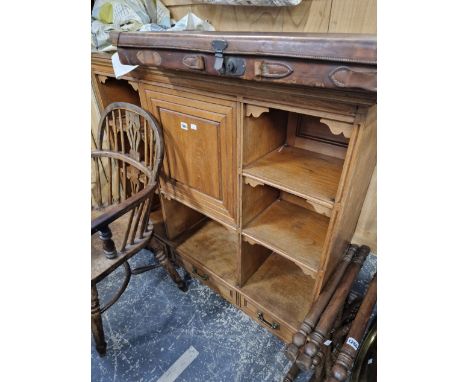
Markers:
point(267, 320)
point(260, 315)
point(200, 162)
point(206, 277)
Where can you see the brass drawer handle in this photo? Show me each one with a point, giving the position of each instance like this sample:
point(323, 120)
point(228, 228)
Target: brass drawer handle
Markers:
point(204, 277)
point(274, 325)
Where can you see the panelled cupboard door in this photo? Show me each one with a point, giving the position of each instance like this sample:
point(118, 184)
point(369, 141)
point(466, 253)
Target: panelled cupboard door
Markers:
point(200, 161)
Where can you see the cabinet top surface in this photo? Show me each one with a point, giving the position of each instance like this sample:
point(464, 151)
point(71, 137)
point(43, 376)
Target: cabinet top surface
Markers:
point(356, 48)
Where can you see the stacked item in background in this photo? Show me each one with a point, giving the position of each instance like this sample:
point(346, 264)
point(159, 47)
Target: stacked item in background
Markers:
point(260, 3)
point(136, 15)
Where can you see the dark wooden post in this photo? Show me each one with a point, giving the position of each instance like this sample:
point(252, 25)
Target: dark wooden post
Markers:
point(292, 373)
point(306, 361)
point(349, 350)
point(160, 255)
point(105, 235)
point(312, 317)
point(96, 322)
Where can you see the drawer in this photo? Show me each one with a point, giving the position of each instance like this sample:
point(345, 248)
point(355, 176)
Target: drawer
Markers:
point(267, 319)
point(208, 278)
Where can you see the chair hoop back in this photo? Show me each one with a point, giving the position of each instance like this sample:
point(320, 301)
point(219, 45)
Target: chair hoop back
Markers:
point(130, 130)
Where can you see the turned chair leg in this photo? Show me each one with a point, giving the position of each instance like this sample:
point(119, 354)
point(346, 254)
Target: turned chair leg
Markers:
point(160, 255)
point(96, 322)
point(292, 373)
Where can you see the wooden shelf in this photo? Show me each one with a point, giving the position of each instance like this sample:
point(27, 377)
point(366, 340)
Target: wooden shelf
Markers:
point(292, 231)
point(300, 172)
point(281, 287)
point(215, 247)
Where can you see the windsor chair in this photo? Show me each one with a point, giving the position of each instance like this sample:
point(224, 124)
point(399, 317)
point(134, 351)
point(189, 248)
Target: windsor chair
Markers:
point(125, 169)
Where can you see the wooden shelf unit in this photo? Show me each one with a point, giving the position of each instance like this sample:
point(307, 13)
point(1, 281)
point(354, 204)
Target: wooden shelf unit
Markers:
point(259, 198)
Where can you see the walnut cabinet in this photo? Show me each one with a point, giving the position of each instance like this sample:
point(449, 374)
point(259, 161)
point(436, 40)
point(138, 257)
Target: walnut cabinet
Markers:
point(262, 184)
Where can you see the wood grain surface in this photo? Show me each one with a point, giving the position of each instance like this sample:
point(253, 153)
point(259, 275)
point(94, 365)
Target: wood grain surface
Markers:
point(292, 231)
point(347, 16)
point(282, 288)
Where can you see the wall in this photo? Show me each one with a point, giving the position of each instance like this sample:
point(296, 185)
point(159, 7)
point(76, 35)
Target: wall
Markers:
point(366, 230)
point(325, 16)
point(95, 115)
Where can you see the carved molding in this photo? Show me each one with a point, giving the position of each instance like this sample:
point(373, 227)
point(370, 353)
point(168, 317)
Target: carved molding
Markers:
point(102, 79)
point(166, 196)
point(255, 111)
point(253, 182)
point(337, 127)
point(249, 240)
point(306, 271)
point(322, 210)
point(134, 85)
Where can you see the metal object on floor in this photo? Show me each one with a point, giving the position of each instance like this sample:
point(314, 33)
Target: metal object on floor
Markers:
point(365, 366)
point(349, 350)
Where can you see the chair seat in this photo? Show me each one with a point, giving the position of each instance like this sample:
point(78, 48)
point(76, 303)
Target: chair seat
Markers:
point(101, 266)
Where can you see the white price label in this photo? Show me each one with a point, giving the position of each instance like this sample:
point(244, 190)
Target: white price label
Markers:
point(193, 126)
point(353, 343)
point(184, 126)
point(327, 343)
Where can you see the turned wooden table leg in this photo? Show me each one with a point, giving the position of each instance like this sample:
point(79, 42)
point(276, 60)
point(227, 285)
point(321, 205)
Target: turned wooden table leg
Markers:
point(322, 330)
point(160, 255)
point(96, 322)
point(300, 337)
point(345, 360)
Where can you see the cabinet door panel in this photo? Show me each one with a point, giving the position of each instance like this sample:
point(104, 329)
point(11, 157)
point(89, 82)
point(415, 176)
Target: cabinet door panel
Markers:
point(200, 163)
point(193, 151)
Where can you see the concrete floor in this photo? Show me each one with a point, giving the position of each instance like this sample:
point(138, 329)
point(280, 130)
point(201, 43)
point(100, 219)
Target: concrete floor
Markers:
point(153, 324)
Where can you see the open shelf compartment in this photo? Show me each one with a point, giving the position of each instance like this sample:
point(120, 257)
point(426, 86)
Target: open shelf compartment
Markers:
point(113, 90)
point(280, 286)
point(215, 247)
point(285, 224)
point(300, 154)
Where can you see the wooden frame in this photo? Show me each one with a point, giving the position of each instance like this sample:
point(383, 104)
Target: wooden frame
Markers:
point(332, 129)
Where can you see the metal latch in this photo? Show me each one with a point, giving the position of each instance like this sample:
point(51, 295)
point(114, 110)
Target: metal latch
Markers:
point(219, 46)
point(230, 66)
